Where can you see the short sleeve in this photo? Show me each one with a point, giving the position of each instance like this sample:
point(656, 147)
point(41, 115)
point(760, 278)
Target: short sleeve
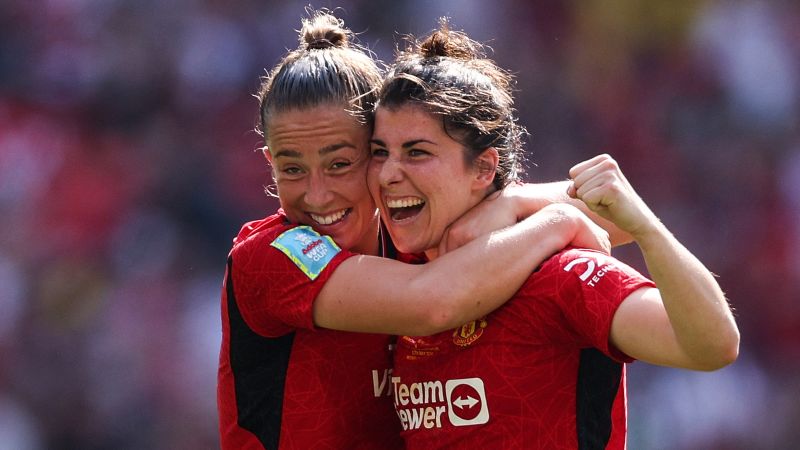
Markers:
point(591, 286)
point(276, 277)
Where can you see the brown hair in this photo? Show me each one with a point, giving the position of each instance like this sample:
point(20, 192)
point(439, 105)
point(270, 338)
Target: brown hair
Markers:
point(326, 68)
point(449, 75)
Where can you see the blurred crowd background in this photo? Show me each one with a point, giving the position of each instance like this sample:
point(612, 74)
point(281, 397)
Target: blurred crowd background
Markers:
point(128, 162)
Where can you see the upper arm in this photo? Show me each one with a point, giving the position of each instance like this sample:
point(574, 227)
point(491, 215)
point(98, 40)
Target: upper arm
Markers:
point(378, 295)
point(641, 329)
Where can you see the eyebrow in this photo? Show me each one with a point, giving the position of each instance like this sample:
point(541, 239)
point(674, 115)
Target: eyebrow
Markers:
point(407, 144)
point(323, 151)
point(334, 147)
point(287, 154)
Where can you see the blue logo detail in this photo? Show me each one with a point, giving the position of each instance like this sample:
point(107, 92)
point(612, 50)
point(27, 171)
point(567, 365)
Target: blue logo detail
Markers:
point(309, 250)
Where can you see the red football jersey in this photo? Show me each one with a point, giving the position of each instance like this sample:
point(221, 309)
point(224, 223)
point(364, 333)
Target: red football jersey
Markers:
point(282, 383)
point(537, 373)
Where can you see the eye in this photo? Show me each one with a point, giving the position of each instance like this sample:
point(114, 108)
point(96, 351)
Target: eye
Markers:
point(379, 152)
point(291, 171)
point(341, 165)
point(415, 153)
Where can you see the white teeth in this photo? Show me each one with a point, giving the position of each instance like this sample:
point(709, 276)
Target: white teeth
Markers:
point(329, 219)
point(404, 202)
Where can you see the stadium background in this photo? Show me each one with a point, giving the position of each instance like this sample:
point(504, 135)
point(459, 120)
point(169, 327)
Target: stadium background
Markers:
point(128, 162)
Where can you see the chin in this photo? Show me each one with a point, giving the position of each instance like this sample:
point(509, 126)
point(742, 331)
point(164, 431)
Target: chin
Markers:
point(409, 247)
point(344, 242)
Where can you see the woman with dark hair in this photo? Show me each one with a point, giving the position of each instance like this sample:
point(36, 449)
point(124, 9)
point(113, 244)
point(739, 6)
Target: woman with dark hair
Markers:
point(321, 263)
point(546, 369)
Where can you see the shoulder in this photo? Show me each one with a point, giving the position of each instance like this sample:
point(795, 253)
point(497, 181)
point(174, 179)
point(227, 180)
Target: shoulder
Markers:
point(262, 229)
point(275, 242)
point(567, 261)
point(575, 261)
point(578, 266)
point(275, 271)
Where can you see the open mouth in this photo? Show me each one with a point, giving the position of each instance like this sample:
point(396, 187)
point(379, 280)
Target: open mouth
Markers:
point(330, 219)
point(404, 208)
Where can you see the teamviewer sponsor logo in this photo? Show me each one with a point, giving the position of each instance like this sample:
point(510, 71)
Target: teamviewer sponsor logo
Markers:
point(466, 401)
point(423, 404)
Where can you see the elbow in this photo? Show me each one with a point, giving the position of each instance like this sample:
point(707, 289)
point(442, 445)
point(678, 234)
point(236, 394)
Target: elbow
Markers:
point(439, 317)
point(730, 351)
point(440, 311)
point(724, 353)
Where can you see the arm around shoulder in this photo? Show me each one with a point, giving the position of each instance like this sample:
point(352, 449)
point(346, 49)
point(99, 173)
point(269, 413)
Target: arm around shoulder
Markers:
point(371, 294)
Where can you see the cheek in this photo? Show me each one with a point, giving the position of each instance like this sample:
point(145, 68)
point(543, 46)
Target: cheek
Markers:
point(357, 190)
point(373, 173)
point(288, 192)
point(436, 181)
point(373, 186)
point(448, 200)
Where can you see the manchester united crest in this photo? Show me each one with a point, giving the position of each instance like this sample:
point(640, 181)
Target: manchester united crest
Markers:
point(469, 332)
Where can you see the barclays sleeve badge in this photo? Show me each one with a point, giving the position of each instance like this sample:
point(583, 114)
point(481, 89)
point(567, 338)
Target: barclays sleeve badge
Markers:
point(309, 250)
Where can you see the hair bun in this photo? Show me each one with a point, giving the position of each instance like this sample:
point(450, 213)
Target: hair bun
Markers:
point(323, 30)
point(449, 43)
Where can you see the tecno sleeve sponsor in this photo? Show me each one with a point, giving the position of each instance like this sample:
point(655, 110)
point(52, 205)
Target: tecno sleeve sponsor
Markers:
point(592, 286)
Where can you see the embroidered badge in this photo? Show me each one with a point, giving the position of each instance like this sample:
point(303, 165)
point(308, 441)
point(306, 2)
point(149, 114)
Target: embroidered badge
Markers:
point(419, 347)
point(310, 251)
point(469, 332)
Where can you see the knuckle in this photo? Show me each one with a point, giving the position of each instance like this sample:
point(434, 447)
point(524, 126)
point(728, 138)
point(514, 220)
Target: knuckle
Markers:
point(609, 164)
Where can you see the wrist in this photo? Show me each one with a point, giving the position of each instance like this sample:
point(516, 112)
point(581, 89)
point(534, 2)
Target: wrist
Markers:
point(650, 233)
point(510, 195)
point(564, 223)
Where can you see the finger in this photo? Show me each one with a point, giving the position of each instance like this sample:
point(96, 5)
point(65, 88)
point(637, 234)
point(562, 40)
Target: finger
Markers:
point(583, 165)
point(589, 172)
point(607, 173)
point(572, 191)
point(593, 237)
point(591, 162)
point(598, 180)
point(597, 198)
point(603, 241)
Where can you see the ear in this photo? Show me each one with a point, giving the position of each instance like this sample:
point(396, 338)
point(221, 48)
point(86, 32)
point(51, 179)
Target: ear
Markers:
point(267, 154)
point(485, 168)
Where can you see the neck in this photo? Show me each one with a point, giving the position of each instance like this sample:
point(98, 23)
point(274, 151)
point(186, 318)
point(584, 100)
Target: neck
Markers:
point(371, 242)
point(433, 253)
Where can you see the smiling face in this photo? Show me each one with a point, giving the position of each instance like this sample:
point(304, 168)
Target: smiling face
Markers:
point(420, 179)
point(319, 159)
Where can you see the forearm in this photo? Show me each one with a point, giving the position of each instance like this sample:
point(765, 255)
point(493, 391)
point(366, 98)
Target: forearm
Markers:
point(378, 295)
point(556, 192)
point(480, 276)
point(700, 316)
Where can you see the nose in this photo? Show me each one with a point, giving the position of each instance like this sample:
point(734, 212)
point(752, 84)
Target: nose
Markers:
point(391, 172)
point(318, 194)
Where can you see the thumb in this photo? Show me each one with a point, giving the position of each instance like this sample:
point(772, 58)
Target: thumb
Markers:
point(572, 192)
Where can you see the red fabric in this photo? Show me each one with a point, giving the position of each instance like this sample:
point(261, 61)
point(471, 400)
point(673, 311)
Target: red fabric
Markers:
point(337, 384)
point(525, 355)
